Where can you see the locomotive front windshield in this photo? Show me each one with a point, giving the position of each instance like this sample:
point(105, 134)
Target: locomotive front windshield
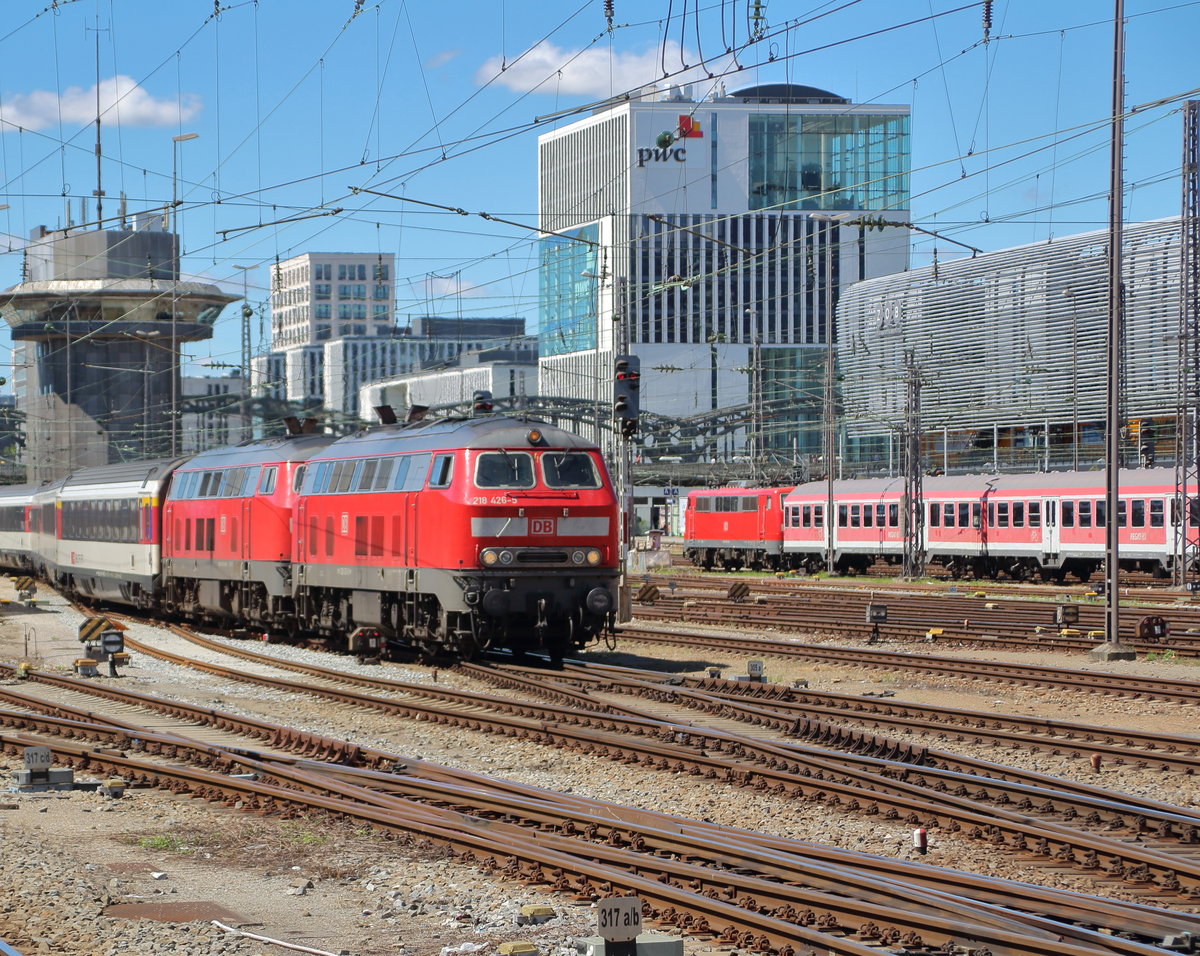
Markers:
point(505, 469)
point(515, 470)
point(569, 470)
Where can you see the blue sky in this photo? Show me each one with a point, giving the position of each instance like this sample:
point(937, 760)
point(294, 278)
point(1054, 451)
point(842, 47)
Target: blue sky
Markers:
point(298, 102)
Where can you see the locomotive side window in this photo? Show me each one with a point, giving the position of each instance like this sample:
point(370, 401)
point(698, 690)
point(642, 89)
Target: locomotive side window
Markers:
point(342, 478)
point(1156, 513)
point(411, 472)
point(366, 475)
point(569, 470)
point(443, 472)
point(502, 470)
point(384, 475)
point(1068, 514)
point(298, 477)
point(267, 485)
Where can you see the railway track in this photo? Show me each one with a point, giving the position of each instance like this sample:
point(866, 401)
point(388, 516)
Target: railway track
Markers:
point(999, 623)
point(997, 813)
point(689, 873)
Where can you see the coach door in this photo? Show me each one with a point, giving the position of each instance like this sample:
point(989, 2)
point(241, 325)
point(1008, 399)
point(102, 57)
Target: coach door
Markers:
point(1050, 542)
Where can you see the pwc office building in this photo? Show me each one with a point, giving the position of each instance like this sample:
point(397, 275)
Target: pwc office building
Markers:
point(698, 234)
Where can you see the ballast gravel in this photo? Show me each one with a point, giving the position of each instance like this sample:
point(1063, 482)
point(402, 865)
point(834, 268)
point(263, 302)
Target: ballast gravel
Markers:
point(66, 859)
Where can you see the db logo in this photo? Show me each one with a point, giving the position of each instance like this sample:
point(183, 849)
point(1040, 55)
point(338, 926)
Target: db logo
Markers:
point(541, 526)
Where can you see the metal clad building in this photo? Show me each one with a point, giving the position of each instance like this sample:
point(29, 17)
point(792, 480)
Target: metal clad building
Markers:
point(1011, 350)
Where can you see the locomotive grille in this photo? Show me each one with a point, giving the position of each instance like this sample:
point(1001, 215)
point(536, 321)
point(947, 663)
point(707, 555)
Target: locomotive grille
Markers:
point(542, 556)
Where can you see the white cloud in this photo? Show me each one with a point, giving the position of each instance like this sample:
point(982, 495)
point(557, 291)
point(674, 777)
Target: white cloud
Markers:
point(593, 72)
point(441, 59)
point(122, 102)
point(440, 287)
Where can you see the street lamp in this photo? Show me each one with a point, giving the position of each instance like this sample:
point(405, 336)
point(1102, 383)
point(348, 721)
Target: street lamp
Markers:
point(175, 141)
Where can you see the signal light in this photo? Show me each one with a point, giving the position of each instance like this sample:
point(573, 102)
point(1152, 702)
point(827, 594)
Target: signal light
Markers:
point(481, 402)
point(626, 394)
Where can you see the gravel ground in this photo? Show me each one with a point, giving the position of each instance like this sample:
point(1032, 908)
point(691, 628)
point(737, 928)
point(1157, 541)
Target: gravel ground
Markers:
point(66, 858)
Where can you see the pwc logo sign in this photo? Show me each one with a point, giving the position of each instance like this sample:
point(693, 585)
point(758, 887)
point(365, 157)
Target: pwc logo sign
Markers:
point(665, 151)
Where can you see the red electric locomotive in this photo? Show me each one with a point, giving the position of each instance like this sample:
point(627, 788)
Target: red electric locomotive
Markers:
point(458, 535)
point(734, 528)
point(227, 531)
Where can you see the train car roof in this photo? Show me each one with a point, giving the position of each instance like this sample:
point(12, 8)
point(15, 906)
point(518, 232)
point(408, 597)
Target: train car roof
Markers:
point(492, 431)
point(150, 469)
point(1042, 481)
point(26, 491)
point(261, 451)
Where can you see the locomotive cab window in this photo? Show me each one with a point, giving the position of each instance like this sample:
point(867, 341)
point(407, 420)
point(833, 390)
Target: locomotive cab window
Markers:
point(504, 470)
point(569, 470)
point(443, 472)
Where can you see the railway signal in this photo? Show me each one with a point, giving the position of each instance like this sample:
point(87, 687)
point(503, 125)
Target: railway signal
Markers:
point(626, 394)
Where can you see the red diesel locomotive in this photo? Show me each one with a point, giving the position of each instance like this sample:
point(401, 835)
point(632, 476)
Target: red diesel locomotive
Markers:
point(451, 536)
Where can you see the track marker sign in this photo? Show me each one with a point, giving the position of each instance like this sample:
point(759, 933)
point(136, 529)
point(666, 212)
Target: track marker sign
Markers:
point(619, 918)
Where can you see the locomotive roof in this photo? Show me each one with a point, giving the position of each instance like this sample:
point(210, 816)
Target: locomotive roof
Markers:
point(493, 431)
point(260, 451)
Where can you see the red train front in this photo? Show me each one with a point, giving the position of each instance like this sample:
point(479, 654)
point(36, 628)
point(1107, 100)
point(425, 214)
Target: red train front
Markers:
point(458, 535)
point(735, 528)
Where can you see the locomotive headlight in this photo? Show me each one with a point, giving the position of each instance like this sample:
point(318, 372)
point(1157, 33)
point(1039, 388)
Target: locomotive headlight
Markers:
point(593, 556)
point(506, 557)
point(578, 557)
point(488, 557)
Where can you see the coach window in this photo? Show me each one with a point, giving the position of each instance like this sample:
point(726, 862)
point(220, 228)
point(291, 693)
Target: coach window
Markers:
point(1035, 514)
point(894, 516)
point(1122, 511)
point(1018, 514)
point(1101, 512)
point(964, 514)
point(818, 516)
point(868, 516)
point(1085, 514)
point(1156, 513)
point(976, 514)
point(569, 470)
point(1068, 514)
point(948, 515)
point(880, 515)
point(443, 472)
point(935, 516)
point(806, 516)
point(1002, 514)
point(502, 470)
point(843, 516)
point(267, 485)
point(1137, 513)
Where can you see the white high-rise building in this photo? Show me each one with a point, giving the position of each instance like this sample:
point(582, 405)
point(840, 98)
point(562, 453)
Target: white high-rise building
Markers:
point(697, 235)
point(320, 296)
